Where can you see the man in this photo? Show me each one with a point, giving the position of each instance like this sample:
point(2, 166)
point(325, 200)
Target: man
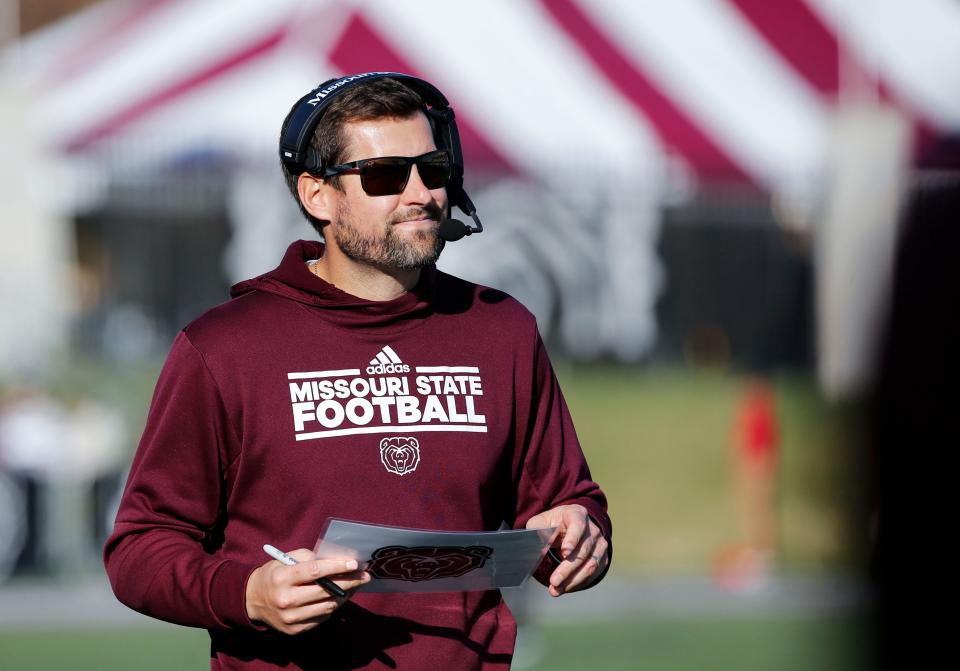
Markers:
point(354, 381)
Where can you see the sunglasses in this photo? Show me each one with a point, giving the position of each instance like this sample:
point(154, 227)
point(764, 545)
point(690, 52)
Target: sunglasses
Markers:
point(388, 175)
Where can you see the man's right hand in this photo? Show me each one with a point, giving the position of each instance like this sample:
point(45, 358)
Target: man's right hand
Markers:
point(287, 599)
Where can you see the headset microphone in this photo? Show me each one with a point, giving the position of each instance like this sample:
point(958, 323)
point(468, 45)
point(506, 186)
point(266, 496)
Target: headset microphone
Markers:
point(452, 230)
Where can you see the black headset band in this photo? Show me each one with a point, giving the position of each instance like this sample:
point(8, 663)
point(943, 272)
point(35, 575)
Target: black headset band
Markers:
point(306, 114)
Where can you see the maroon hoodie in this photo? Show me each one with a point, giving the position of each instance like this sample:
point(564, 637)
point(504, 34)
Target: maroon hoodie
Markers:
point(294, 402)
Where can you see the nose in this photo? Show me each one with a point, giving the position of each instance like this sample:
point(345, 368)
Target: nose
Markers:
point(416, 192)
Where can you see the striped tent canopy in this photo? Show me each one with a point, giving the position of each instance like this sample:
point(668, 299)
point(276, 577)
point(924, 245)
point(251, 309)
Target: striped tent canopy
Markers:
point(729, 90)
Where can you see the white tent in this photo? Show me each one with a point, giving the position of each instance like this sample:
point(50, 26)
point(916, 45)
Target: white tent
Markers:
point(710, 81)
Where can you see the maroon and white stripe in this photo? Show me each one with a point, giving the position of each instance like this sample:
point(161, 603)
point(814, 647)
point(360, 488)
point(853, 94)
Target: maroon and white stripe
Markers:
point(737, 89)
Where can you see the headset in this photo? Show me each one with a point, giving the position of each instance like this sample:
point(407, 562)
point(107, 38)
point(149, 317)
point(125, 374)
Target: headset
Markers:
point(297, 154)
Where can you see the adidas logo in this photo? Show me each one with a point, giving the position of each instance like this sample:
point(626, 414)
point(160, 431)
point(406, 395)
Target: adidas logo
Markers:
point(387, 361)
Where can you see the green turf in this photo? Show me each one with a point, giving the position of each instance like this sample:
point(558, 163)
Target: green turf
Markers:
point(139, 650)
point(658, 442)
point(825, 644)
point(785, 644)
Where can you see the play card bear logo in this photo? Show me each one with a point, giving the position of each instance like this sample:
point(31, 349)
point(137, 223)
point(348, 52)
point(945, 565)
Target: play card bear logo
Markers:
point(426, 563)
point(400, 455)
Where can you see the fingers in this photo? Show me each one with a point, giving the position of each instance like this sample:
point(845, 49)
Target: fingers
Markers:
point(303, 607)
point(570, 521)
point(583, 550)
point(310, 568)
point(584, 574)
point(302, 554)
point(289, 599)
point(349, 582)
point(297, 596)
point(294, 619)
point(575, 525)
point(575, 559)
point(589, 557)
point(308, 614)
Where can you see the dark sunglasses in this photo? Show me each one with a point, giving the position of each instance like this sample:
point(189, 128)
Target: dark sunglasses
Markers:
point(388, 175)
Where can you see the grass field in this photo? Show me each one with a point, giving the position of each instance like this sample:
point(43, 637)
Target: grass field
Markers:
point(781, 644)
point(658, 442)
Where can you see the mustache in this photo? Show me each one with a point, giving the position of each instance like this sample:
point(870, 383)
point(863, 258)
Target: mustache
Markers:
point(429, 211)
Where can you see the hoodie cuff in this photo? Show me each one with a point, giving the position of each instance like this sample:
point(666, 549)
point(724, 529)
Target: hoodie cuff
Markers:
point(228, 595)
point(599, 516)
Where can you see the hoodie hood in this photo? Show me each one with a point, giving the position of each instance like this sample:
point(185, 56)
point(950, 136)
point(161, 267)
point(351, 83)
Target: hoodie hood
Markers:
point(293, 280)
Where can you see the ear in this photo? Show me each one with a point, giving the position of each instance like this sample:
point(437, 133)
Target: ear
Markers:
point(317, 196)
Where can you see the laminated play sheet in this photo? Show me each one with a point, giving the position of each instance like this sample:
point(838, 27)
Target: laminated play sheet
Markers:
point(419, 560)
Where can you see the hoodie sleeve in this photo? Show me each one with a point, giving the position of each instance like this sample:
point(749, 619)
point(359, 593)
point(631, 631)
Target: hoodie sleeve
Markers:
point(549, 464)
point(161, 557)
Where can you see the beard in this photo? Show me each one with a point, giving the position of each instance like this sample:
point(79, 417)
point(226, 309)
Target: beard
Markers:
point(409, 251)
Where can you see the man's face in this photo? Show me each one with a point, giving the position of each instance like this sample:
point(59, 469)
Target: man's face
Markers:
point(397, 231)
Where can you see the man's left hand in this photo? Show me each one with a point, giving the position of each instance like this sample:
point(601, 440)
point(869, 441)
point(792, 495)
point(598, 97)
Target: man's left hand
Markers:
point(582, 547)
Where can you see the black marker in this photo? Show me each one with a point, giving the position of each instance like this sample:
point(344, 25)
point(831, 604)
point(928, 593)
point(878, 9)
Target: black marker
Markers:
point(282, 557)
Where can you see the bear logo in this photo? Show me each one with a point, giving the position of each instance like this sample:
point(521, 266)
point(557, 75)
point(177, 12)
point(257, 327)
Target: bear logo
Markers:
point(400, 455)
point(426, 563)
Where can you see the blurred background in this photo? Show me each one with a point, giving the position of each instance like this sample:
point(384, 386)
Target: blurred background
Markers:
point(732, 219)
